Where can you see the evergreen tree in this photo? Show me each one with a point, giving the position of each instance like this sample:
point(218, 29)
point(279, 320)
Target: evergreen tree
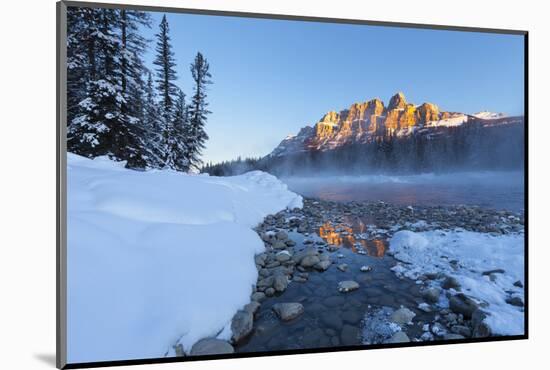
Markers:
point(82, 28)
point(196, 135)
point(176, 150)
point(102, 127)
point(152, 125)
point(165, 73)
point(133, 46)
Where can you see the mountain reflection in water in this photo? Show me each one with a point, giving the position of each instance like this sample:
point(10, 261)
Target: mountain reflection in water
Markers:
point(342, 235)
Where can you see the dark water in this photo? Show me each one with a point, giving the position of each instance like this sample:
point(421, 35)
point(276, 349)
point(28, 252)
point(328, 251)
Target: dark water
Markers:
point(497, 190)
point(332, 318)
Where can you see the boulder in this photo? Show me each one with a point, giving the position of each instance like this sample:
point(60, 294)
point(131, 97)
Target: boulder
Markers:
point(322, 265)
point(399, 337)
point(347, 286)
point(309, 261)
point(342, 267)
point(480, 329)
point(280, 283)
point(211, 346)
point(402, 316)
point(461, 304)
point(241, 325)
point(450, 283)
point(288, 311)
point(431, 294)
point(252, 307)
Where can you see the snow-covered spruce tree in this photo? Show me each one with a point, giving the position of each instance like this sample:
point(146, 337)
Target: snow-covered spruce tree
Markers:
point(167, 90)
point(176, 154)
point(82, 27)
point(196, 134)
point(102, 126)
point(152, 125)
point(133, 46)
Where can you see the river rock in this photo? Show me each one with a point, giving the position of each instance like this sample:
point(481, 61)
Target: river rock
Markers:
point(279, 245)
point(257, 296)
point(288, 311)
point(399, 337)
point(322, 265)
point(515, 301)
point(342, 267)
point(266, 282)
point(450, 283)
point(491, 272)
point(283, 256)
point(260, 259)
point(281, 235)
point(347, 286)
point(461, 330)
point(431, 294)
point(280, 283)
point(309, 261)
point(365, 268)
point(211, 346)
point(461, 304)
point(402, 316)
point(452, 336)
point(480, 329)
point(241, 325)
point(252, 307)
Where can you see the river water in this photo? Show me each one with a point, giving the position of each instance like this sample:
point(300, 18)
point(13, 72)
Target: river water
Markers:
point(496, 190)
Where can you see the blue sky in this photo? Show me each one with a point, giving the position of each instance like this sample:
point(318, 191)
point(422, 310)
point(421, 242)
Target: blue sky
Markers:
point(272, 77)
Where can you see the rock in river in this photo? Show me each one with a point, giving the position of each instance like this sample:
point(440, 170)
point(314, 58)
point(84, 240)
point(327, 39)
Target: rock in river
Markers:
point(280, 283)
point(323, 265)
point(399, 337)
point(309, 261)
point(450, 283)
point(463, 305)
point(347, 286)
point(241, 325)
point(288, 311)
point(402, 316)
point(431, 294)
point(211, 346)
point(342, 267)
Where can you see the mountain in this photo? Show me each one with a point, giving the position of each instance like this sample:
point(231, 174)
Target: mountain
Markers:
point(364, 123)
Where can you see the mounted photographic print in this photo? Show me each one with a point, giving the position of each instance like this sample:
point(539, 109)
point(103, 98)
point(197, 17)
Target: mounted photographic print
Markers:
point(234, 184)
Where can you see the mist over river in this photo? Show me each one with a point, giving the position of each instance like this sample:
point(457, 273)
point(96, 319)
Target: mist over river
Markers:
point(497, 190)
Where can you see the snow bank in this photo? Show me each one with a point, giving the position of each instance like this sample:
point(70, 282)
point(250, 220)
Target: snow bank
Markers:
point(159, 257)
point(466, 255)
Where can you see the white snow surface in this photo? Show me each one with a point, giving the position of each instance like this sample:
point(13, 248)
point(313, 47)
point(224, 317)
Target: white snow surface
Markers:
point(455, 121)
point(433, 251)
point(489, 115)
point(157, 258)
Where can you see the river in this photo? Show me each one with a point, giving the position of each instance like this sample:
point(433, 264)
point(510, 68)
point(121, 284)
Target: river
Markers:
point(496, 190)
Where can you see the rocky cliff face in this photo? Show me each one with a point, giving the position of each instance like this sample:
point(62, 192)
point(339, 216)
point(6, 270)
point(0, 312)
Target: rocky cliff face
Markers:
point(364, 122)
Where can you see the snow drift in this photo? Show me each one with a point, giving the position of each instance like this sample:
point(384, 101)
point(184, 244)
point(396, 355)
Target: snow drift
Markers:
point(474, 255)
point(159, 257)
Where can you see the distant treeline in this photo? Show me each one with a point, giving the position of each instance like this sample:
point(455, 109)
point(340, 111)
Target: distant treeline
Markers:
point(468, 147)
point(117, 107)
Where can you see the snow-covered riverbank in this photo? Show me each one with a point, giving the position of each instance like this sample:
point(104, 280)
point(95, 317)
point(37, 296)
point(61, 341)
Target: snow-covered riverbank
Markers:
point(485, 267)
point(159, 257)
